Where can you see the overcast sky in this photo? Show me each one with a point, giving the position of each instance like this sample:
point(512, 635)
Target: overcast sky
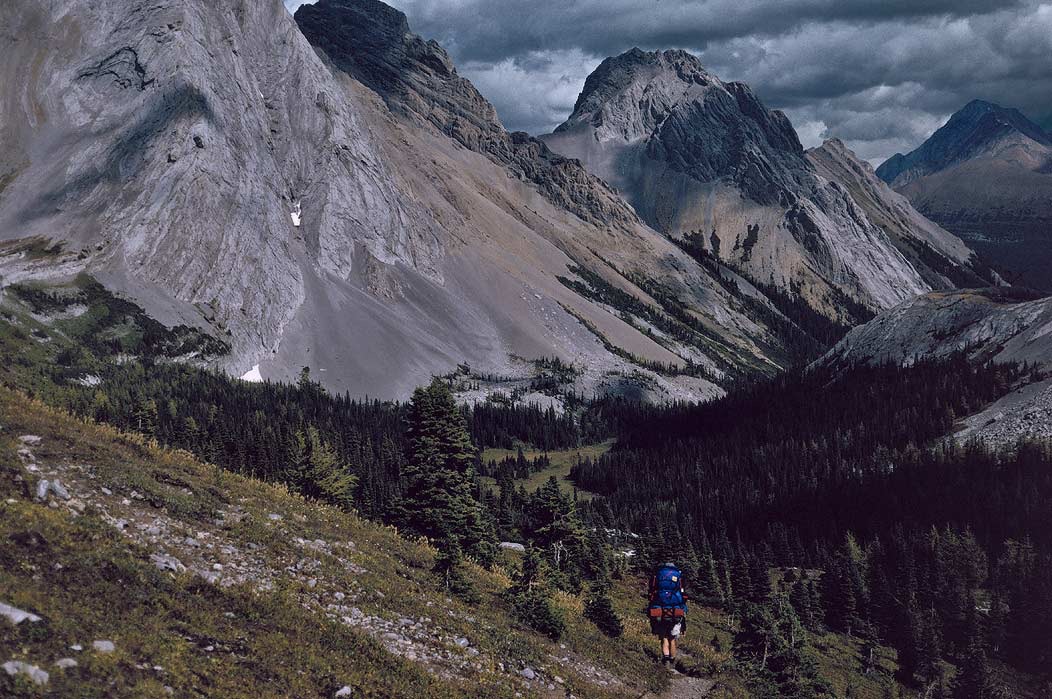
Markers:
point(879, 74)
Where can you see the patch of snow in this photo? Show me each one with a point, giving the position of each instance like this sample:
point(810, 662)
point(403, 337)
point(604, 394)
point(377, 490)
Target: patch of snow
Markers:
point(253, 375)
point(295, 215)
point(89, 380)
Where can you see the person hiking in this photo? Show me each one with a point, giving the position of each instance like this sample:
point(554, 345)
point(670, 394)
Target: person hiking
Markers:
point(667, 609)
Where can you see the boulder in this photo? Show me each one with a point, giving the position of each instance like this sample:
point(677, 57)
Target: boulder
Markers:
point(34, 673)
point(17, 616)
point(512, 546)
point(104, 646)
point(60, 490)
point(165, 562)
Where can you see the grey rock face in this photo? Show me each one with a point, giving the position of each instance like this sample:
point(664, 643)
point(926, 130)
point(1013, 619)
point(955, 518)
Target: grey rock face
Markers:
point(257, 126)
point(942, 258)
point(992, 324)
point(416, 78)
point(706, 160)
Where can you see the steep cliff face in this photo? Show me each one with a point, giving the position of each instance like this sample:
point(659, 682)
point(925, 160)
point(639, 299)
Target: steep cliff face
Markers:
point(371, 42)
point(352, 205)
point(706, 160)
point(201, 155)
point(942, 259)
point(986, 175)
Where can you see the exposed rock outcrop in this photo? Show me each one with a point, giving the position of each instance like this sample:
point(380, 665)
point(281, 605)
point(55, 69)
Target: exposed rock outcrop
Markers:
point(942, 258)
point(988, 325)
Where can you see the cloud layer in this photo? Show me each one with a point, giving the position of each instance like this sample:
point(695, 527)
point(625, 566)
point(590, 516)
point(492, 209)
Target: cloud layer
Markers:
point(880, 74)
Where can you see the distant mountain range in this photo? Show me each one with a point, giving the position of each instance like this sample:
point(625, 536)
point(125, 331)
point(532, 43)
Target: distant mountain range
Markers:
point(986, 175)
point(329, 192)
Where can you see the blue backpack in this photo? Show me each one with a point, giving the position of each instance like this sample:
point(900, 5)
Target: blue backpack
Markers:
point(668, 589)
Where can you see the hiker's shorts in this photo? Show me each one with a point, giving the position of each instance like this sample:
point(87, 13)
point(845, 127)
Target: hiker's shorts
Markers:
point(666, 628)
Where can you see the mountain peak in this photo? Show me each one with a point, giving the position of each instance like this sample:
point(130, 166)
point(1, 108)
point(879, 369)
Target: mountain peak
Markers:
point(974, 129)
point(664, 75)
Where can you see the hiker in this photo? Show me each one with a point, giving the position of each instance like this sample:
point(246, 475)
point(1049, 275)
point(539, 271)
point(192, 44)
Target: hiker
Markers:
point(668, 609)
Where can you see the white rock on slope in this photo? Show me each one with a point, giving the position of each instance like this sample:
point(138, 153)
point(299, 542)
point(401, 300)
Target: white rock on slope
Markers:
point(17, 616)
point(35, 674)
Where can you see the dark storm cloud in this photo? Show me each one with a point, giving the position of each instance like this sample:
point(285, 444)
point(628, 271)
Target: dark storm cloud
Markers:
point(490, 30)
point(881, 75)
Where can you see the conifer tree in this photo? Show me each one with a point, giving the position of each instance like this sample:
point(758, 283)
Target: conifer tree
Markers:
point(437, 500)
point(838, 596)
point(599, 608)
point(530, 598)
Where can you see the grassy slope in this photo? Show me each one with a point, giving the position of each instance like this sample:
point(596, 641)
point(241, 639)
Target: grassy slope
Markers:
point(90, 582)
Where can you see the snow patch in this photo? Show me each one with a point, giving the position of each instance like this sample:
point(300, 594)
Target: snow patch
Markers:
point(295, 215)
point(253, 375)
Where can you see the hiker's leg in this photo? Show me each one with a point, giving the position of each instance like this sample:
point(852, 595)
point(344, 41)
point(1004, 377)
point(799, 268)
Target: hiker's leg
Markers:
point(666, 644)
point(672, 648)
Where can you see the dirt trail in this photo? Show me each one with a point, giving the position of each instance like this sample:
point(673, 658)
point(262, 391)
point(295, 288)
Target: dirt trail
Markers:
point(686, 687)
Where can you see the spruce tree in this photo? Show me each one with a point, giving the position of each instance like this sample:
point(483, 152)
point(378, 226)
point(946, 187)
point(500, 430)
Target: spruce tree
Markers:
point(530, 598)
point(599, 608)
point(438, 500)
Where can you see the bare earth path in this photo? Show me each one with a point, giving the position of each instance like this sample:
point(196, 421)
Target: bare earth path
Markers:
point(685, 687)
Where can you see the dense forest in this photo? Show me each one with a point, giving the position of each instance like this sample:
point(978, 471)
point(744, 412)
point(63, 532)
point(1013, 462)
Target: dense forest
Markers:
point(943, 551)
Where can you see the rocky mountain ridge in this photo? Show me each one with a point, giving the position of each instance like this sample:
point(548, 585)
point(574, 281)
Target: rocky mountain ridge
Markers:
point(706, 160)
point(999, 325)
point(970, 132)
point(942, 259)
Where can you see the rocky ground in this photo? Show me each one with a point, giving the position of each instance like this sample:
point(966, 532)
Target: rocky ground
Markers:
point(1022, 415)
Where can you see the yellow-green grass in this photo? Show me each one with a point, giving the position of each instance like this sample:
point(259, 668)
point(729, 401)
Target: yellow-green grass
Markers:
point(561, 463)
point(90, 582)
